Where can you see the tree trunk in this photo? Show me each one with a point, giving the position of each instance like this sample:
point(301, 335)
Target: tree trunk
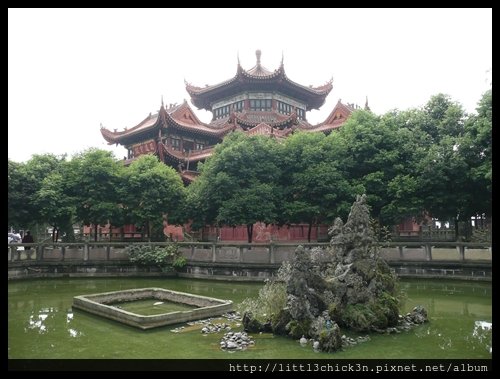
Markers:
point(57, 234)
point(95, 232)
point(54, 233)
point(149, 230)
point(309, 231)
point(468, 229)
point(249, 232)
point(456, 228)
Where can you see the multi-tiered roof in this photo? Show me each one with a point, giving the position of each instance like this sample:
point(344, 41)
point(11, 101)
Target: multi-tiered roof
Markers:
point(256, 101)
point(259, 79)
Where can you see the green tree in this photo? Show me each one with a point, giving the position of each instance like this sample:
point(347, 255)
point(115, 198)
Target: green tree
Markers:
point(151, 190)
point(18, 197)
point(25, 180)
point(54, 204)
point(237, 184)
point(444, 117)
point(443, 179)
point(454, 175)
point(249, 205)
point(403, 198)
point(313, 186)
point(94, 177)
point(368, 152)
point(476, 148)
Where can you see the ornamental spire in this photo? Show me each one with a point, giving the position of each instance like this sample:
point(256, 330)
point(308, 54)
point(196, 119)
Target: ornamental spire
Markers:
point(258, 53)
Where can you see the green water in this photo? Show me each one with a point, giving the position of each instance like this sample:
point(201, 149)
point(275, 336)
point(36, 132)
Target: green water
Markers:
point(148, 307)
point(42, 324)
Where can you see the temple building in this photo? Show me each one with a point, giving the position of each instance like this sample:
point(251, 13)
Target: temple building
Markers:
point(255, 101)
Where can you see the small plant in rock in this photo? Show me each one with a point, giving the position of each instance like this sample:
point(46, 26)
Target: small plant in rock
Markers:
point(272, 297)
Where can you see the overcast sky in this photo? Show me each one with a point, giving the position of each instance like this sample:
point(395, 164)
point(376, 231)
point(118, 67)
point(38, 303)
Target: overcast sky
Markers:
point(72, 69)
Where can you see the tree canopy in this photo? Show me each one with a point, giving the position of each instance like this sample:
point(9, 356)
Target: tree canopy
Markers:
point(238, 184)
point(151, 191)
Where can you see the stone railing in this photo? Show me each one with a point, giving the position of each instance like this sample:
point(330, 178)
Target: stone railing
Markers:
point(427, 235)
point(255, 253)
point(436, 251)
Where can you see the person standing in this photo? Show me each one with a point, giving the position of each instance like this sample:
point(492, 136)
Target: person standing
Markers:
point(28, 238)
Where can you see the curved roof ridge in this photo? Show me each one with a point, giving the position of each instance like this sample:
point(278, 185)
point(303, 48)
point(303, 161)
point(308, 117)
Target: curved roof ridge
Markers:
point(195, 90)
point(149, 121)
point(323, 89)
point(202, 127)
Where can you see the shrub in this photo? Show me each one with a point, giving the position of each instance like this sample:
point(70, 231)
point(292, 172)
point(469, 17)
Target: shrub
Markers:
point(160, 256)
point(179, 262)
point(271, 300)
point(272, 297)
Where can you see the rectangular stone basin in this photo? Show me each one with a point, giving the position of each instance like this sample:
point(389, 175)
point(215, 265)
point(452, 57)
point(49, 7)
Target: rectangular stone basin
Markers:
point(101, 304)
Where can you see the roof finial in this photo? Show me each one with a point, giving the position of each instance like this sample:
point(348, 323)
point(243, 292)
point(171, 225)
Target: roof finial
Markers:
point(282, 57)
point(238, 57)
point(367, 108)
point(162, 101)
point(258, 54)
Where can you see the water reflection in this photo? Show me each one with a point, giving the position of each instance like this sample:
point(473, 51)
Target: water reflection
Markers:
point(482, 335)
point(45, 320)
point(37, 322)
point(74, 333)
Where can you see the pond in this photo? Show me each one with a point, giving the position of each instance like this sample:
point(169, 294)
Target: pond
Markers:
point(42, 324)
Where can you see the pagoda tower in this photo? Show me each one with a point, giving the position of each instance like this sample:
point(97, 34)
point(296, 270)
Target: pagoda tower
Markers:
point(256, 101)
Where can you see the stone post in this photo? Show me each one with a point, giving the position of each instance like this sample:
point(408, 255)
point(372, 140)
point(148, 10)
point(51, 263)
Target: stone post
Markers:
point(401, 252)
point(38, 252)
point(85, 252)
point(12, 252)
point(271, 253)
point(428, 252)
point(240, 254)
point(214, 249)
point(462, 252)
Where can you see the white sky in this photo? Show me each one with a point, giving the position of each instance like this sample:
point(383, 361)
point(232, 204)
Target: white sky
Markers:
point(72, 69)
